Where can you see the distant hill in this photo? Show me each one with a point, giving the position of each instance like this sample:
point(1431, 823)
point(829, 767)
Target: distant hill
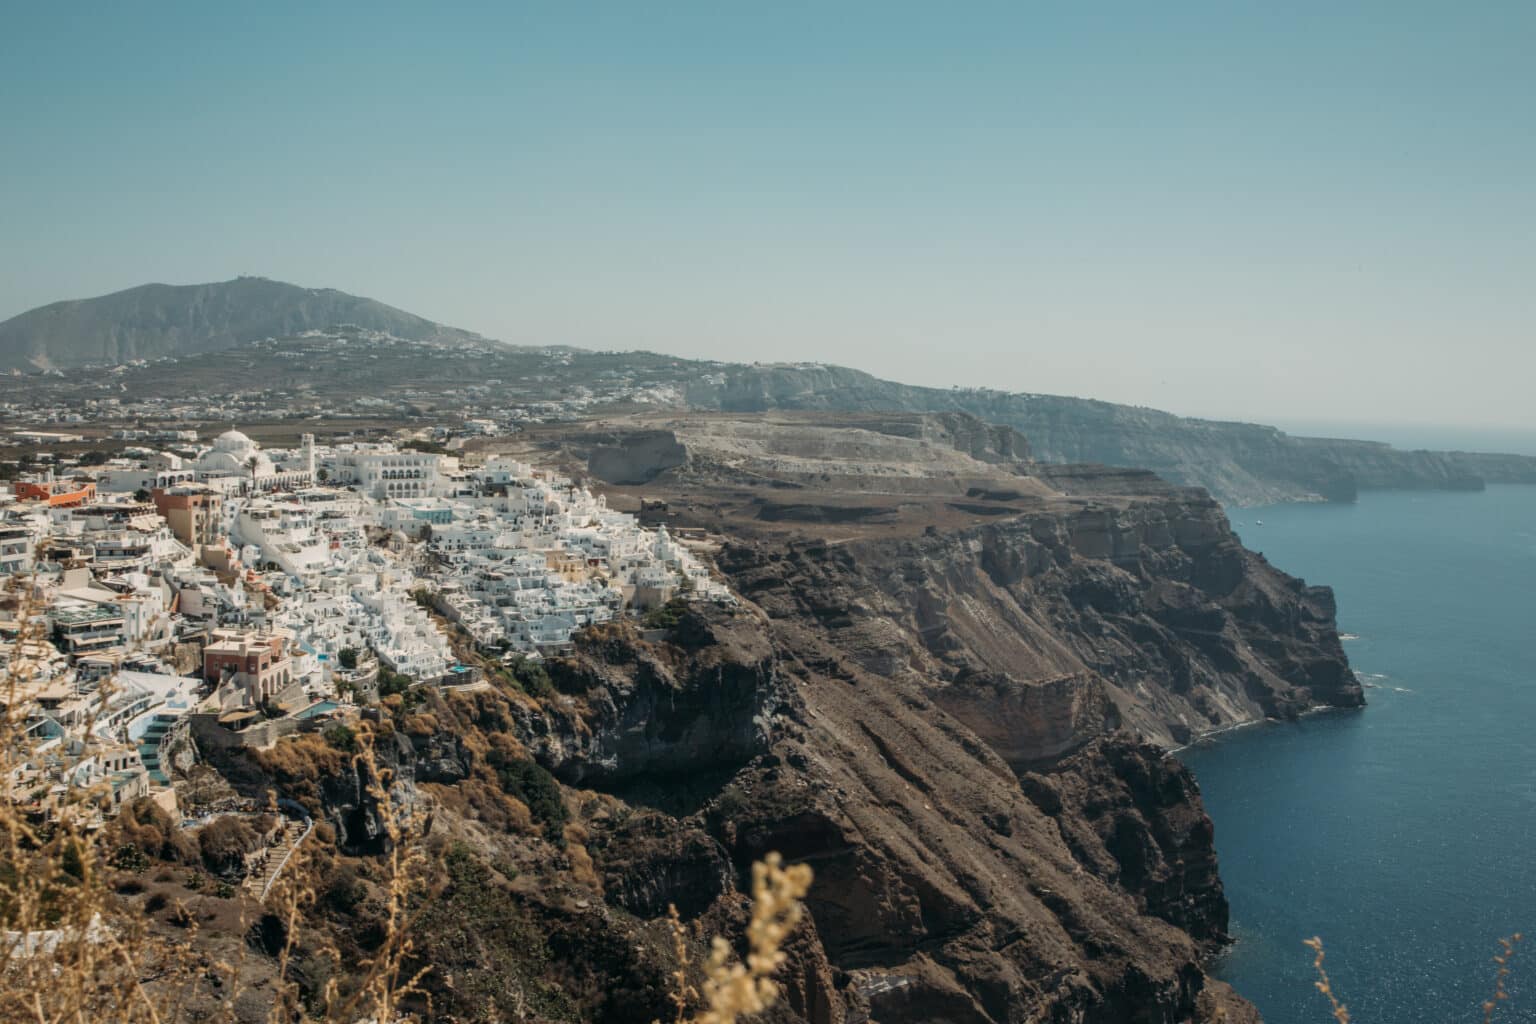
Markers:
point(1239, 463)
point(157, 320)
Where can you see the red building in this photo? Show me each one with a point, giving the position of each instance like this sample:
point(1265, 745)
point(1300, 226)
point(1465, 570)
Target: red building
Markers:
point(56, 493)
point(258, 661)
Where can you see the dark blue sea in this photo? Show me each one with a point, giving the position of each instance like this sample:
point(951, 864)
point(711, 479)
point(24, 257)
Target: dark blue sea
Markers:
point(1404, 834)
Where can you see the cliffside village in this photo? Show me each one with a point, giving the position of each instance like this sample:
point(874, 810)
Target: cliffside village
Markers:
point(235, 595)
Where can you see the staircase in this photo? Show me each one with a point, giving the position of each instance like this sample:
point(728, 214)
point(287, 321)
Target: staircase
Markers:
point(149, 748)
point(259, 884)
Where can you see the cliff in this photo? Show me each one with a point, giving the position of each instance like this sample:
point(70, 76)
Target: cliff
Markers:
point(947, 887)
point(948, 686)
point(1053, 626)
point(1239, 463)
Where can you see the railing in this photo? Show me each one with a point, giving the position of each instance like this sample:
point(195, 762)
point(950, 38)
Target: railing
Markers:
point(309, 826)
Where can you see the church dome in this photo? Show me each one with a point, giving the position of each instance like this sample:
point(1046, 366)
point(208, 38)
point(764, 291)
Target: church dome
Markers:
point(231, 454)
point(234, 442)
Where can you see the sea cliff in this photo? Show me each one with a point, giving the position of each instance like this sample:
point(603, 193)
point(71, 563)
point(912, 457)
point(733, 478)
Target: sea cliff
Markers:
point(1239, 463)
point(948, 683)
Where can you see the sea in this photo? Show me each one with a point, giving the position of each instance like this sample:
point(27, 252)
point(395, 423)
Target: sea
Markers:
point(1404, 834)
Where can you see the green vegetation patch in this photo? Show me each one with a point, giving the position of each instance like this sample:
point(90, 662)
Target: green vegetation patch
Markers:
point(529, 782)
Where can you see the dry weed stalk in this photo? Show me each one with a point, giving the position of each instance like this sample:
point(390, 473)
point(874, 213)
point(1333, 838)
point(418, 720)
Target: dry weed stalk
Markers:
point(380, 990)
point(68, 955)
point(1500, 994)
point(733, 989)
point(1340, 1014)
point(682, 991)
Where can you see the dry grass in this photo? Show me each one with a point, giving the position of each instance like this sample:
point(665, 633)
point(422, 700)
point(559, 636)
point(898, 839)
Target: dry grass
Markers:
point(732, 989)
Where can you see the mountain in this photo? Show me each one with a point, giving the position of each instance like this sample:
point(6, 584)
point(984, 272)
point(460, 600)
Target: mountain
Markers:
point(157, 320)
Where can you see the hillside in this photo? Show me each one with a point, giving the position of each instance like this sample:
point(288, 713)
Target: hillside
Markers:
point(154, 321)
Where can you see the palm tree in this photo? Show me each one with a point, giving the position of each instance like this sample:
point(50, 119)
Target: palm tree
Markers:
point(252, 464)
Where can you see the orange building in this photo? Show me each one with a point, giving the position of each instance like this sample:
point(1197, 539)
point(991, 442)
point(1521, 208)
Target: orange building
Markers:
point(56, 493)
point(192, 510)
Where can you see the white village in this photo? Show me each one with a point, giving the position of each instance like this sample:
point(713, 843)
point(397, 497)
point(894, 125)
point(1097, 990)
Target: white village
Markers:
point(239, 595)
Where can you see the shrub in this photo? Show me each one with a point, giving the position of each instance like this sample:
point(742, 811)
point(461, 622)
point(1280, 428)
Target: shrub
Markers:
point(346, 890)
point(391, 683)
point(145, 826)
point(224, 842)
point(666, 616)
point(342, 737)
point(529, 782)
point(420, 725)
point(128, 857)
point(347, 658)
point(532, 678)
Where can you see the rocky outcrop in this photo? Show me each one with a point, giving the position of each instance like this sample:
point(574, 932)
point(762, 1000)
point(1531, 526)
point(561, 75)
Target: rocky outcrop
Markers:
point(636, 458)
point(349, 800)
point(1132, 816)
point(652, 861)
point(642, 709)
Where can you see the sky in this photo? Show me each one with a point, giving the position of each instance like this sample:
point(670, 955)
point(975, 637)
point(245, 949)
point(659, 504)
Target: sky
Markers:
point(1301, 211)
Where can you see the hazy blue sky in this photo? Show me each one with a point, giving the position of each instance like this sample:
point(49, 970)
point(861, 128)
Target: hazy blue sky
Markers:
point(1312, 211)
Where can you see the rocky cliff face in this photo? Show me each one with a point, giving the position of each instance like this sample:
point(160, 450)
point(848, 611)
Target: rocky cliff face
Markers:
point(944, 893)
point(1052, 627)
point(948, 887)
point(694, 706)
